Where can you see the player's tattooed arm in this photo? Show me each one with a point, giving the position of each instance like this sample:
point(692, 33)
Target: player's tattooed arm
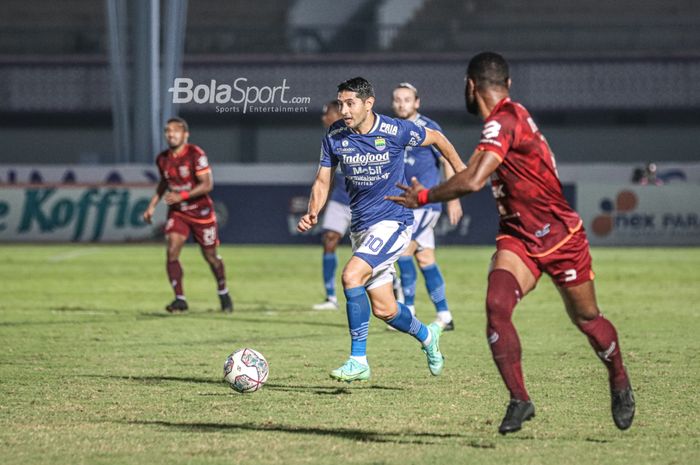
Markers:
point(160, 190)
point(472, 179)
point(317, 200)
point(445, 147)
point(203, 187)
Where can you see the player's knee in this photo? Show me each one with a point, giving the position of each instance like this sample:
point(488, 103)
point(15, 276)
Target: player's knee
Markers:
point(384, 312)
point(173, 254)
point(330, 242)
point(582, 315)
point(497, 310)
point(352, 278)
point(211, 257)
point(425, 258)
point(501, 297)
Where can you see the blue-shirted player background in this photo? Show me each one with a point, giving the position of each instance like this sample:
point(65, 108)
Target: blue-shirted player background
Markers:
point(369, 148)
point(336, 220)
point(424, 163)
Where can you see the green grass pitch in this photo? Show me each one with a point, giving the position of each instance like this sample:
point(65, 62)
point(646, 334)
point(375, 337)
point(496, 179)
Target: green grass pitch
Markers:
point(93, 371)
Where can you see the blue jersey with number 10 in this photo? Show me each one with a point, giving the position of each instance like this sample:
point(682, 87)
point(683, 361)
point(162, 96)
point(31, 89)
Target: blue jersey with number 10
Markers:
point(372, 164)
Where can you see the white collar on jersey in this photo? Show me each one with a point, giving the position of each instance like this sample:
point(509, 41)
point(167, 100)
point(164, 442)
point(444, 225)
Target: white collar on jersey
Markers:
point(374, 128)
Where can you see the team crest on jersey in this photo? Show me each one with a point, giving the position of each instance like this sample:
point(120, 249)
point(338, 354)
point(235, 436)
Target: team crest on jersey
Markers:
point(184, 171)
point(379, 143)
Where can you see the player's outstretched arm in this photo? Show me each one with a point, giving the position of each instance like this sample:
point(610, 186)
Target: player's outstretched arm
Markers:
point(472, 179)
point(445, 147)
point(454, 207)
point(317, 200)
point(160, 190)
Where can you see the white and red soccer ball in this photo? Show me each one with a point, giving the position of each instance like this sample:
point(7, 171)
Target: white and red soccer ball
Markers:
point(246, 370)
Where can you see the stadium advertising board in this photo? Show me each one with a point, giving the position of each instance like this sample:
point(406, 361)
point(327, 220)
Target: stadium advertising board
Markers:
point(76, 214)
point(640, 215)
point(247, 214)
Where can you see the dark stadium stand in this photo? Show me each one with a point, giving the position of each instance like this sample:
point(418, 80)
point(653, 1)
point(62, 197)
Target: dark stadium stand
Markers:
point(552, 26)
point(558, 27)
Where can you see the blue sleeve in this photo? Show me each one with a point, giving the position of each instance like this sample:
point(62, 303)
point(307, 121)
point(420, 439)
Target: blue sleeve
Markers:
point(433, 125)
point(410, 134)
point(328, 158)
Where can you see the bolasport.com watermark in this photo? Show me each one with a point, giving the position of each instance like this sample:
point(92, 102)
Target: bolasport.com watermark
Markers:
point(239, 96)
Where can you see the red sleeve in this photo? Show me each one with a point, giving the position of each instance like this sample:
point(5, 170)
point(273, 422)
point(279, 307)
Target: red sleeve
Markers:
point(158, 165)
point(498, 134)
point(201, 163)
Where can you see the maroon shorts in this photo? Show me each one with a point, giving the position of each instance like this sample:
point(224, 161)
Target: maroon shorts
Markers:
point(205, 231)
point(569, 265)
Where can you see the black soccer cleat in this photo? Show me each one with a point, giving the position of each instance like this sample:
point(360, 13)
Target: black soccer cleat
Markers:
point(177, 306)
point(518, 411)
point(226, 303)
point(623, 407)
point(449, 326)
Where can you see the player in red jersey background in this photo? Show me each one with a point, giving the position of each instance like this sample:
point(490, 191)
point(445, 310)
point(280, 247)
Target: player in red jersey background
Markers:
point(538, 233)
point(185, 183)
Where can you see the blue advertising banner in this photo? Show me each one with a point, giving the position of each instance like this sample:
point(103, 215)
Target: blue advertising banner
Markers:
point(268, 214)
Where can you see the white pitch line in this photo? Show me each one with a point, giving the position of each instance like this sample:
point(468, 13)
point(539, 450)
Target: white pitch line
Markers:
point(61, 257)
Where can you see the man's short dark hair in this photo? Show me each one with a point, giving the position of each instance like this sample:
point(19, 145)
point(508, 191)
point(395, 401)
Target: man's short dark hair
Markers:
point(359, 85)
point(488, 69)
point(181, 121)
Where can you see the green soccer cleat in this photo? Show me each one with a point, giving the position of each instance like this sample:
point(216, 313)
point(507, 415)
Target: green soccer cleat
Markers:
point(351, 371)
point(432, 352)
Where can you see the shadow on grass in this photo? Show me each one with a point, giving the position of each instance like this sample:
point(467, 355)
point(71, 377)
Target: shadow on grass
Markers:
point(328, 390)
point(402, 437)
point(319, 390)
point(50, 323)
point(236, 318)
point(160, 379)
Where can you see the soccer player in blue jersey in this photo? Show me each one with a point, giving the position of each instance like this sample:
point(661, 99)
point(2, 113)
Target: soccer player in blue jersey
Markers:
point(336, 220)
point(369, 148)
point(424, 163)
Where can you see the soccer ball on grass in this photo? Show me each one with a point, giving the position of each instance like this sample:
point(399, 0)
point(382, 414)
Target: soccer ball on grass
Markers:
point(246, 370)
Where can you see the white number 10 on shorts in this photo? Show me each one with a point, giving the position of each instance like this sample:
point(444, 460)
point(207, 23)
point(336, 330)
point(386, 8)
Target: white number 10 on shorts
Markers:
point(380, 246)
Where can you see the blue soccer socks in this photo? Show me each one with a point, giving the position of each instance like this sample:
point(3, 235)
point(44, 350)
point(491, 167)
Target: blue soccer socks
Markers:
point(405, 322)
point(330, 264)
point(435, 284)
point(358, 310)
point(408, 279)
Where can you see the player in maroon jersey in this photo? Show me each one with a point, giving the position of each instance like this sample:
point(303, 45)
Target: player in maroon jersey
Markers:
point(539, 232)
point(186, 180)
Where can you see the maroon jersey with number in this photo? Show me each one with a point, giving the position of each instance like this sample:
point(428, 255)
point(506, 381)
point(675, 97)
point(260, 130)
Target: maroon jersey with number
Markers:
point(526, 186)
point(180, 171)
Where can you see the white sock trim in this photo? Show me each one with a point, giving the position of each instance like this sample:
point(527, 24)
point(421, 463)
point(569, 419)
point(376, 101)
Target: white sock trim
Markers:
point(428, 339)
point(360, 359)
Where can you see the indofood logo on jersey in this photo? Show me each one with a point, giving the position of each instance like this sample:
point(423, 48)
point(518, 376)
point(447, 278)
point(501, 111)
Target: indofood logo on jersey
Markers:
point(366, 159)
point(661, 215)
point(239, 96)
